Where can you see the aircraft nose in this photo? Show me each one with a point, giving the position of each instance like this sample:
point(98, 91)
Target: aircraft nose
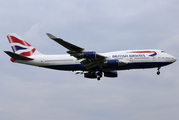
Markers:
point(174, 59)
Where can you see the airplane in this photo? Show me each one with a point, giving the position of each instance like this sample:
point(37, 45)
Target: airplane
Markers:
point(87, 62)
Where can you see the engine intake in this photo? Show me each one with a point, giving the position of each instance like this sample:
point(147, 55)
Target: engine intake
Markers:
point(90, 54)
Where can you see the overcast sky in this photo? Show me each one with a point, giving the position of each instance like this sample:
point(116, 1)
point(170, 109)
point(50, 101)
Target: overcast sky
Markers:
point(32, 93)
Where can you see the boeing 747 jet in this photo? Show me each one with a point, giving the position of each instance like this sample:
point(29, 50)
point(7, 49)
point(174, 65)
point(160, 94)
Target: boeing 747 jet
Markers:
point(89, 63)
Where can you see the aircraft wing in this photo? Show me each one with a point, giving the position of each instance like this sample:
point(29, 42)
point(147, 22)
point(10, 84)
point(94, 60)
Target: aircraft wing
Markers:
point(66, 44)
point(78, 52)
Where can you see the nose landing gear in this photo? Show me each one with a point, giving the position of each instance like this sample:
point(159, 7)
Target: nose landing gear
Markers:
point(158, 72)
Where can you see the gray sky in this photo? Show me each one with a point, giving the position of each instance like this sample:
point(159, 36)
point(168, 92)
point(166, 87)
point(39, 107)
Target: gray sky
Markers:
point(28, 92)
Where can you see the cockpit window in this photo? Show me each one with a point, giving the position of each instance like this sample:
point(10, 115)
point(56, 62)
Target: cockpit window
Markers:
point(162, 51)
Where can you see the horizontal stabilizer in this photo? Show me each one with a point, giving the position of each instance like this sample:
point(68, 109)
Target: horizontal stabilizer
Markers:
point(17, 56)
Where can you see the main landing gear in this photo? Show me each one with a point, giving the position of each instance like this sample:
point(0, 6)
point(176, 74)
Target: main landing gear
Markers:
point(158, 72)
point(99, 75)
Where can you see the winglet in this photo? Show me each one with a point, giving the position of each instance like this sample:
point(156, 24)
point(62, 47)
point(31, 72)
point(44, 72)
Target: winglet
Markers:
point(51, 36)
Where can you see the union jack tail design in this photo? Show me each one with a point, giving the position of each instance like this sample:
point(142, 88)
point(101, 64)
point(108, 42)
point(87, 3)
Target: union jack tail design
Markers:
point(20, 46)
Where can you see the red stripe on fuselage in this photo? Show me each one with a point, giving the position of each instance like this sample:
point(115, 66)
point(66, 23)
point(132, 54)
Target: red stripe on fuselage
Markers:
point(143, 52)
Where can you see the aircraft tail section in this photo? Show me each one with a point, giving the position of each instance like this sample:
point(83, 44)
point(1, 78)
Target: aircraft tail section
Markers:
point(21, 49)
point(20, 46)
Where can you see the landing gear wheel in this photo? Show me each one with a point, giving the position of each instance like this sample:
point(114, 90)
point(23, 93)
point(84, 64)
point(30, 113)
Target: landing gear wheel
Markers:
point(158, 73)
point(98, 78)
point(99, 75)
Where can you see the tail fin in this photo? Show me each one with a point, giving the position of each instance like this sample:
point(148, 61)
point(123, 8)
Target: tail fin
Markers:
point(20, 46)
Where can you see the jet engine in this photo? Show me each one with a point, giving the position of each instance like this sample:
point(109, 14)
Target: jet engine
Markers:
point(90, 75)
point(110, 74)
point(89, 54)
point(114, 62)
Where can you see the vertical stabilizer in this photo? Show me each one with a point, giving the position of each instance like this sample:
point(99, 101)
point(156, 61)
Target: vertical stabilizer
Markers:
point(20, 46)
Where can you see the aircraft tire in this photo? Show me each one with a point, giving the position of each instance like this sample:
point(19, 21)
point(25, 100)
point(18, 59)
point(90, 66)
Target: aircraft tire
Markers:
point(158, 73)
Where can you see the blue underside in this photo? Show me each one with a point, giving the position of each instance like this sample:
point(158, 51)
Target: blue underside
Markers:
point(124, 67)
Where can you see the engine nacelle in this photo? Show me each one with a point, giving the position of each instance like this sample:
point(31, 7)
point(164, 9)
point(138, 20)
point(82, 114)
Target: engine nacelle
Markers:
point(114, 62)
point(90, 75)
point(110, 74)
point(90, 54)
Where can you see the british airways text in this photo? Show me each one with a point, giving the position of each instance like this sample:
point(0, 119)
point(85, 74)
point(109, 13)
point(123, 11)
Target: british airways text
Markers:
point(124, 56)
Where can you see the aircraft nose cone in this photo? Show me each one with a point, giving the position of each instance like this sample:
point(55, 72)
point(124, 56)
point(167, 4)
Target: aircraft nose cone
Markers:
point(174, 59)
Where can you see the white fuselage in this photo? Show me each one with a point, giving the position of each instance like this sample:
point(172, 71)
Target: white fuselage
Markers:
point(134, 60)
